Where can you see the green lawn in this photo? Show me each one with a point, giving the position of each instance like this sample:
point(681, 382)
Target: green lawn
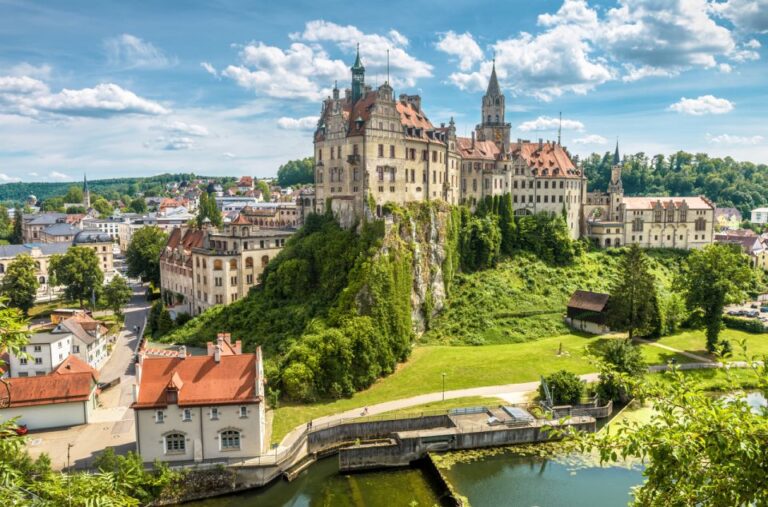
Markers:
point(695, 342)
point(464, 367)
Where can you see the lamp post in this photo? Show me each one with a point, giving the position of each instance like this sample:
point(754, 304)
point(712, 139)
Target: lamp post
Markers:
point(443, 374)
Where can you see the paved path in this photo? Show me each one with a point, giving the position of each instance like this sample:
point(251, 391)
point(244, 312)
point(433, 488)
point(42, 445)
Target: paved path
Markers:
point(701, 359)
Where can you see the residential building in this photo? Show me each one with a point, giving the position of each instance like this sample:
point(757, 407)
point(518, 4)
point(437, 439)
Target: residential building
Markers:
point(109, 225)
point(60, 232)
point(200, 408)
point(176, 273)
point(750, 243)
point(41, 355)
point(41, 253)
point(245, 184)
point(89, 338)
point(64, 397)
point(101, 243)
point(759, 216)
point(33, 225)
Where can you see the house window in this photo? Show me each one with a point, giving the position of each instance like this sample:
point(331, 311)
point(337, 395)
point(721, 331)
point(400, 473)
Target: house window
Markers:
point(38, 360)
point(159, 416)
point(243, 411)
point(76, 349)
point(230, 439)
point(175, 443)
point(23, 361)
point(38, 348)
point(214, 414)
point(187, 415)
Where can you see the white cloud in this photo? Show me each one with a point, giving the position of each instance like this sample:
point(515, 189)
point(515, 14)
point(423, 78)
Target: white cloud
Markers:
point(725, 68)
point(572, 12)
point(188, 129)
point(26, 96)
point(305, 70)
point(731, 140)
point(8, 179)
point(462, 46)
point(36, 71)
point(548, 123)
point(229, 156)
point(746, 15)
point(305, 123)
point(210, 69)
point(172, 143)
point(706, 104)
point(33, 174)
point(591, 139)
point(636, 73)
point(131, 52)
point(59, 176)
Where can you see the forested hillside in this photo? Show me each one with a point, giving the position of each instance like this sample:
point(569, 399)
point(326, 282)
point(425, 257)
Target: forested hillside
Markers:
point(18, 192)
point(743, 185)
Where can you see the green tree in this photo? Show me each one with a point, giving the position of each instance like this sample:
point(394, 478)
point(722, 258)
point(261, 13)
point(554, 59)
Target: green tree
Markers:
point(622, 357)
point(17, 236)
point(76, 210)
point(138, 205)
point(632, 305)
point(480, 243)
point(713, 277)
point(507, 224)
point(103, 207)
point(296, 172)
point(117, 293)
point(53, 204)
point(208, 209)
point(20, 283)
point(74, 195)
point(266, 192)
point(696, 449)
point(564, 386)
point(5, 223)
point(79, 272)
point(143, 254)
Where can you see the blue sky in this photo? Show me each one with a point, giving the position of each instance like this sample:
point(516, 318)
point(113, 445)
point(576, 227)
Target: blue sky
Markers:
point(234, 87)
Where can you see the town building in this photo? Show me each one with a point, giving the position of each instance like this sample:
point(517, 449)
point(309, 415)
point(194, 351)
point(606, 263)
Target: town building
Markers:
point(750, 244)
point(588, 312)
point(200, 408)
point(33, 225)
point(60, 232)
point(109, 225)
point(372, 148)
point(727, 218)
point(759, 216)
point(64, 397)
point(41, 253)
point(99, 242)
point(203, 268)
point(89, 338)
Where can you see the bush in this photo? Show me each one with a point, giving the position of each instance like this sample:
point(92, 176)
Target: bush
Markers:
point(624, 359)
point(748, 325)
point(564, 386)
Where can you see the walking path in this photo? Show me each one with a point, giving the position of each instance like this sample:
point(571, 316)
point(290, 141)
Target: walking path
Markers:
point(701, 359)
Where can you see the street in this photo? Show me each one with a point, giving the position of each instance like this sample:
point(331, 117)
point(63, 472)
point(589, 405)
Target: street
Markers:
point(112, 422)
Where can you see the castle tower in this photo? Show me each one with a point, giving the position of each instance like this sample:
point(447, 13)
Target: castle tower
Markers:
point(86, 193)
point(358, 78)
point(615, 187)
point(492, 125)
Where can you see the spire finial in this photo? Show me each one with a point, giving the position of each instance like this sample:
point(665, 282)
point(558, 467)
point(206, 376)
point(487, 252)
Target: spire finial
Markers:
point(559, 128)
point(387, 66)
point(616, 156)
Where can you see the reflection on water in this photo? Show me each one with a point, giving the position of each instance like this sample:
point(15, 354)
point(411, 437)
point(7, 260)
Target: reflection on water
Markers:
point(512, 480)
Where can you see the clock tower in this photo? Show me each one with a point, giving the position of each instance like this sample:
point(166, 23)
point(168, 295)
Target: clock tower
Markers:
point(492, 126)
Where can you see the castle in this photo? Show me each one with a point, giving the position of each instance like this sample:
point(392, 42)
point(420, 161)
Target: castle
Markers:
point(372, 148)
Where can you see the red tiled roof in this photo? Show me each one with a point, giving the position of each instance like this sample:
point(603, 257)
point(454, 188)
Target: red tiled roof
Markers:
point(486, 150)
point(203, 381)
point(551, 160)
point(73, 364)
point(48, 389)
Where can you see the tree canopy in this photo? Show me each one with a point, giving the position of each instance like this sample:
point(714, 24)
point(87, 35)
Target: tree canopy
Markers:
point(207, 209)
point(79, 272)
point(143, 254)
point(20, 282)
point(296, 172)
point(117, 293)
point(74, 195)
point(632, 306)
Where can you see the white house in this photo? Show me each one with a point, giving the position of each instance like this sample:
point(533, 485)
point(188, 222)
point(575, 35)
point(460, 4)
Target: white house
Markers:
point(44, 352)
point(64, 397)
point(90, 341)
point(759, 216)
point(198, 408)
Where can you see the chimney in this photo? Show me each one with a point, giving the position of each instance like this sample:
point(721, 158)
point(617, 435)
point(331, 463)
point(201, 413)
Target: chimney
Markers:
point(182, 352)
point(473, 139)
point(541, 143)
point(217, 353)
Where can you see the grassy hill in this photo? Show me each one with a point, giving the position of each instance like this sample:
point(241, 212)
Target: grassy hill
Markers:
point(524, 299)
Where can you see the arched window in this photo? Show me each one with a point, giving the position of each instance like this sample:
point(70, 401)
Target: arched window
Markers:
point(230, 439)
point(607, 241)
point(264, 261)
point(245, 231)
point(42, 279)
point(233, 264)
point(218, 265)
point(175, 443)
point(249, 262)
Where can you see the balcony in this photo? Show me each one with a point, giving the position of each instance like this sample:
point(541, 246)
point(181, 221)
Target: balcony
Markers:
point(353, 159)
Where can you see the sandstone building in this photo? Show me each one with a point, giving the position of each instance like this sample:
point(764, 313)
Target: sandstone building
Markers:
point(372, 148)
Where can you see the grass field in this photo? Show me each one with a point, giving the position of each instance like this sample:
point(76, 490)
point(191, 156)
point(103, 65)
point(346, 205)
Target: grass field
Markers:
point(695, 342)
point(464, 367)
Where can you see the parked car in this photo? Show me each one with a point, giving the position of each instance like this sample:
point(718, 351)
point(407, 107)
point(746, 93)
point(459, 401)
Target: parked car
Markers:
point(734, 313)
point(754, 305)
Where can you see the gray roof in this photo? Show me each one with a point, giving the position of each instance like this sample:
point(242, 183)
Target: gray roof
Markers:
point(92, 236)
point(46, 337)
point(47, 218)
point(61, 230)
point(45, 249)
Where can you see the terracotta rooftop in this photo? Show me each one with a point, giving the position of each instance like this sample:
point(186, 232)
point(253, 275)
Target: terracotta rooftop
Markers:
point(486, 150)
point(63, 385)
point(587, 300)
point(637, 203)
point(203, 381)
point(228, 348)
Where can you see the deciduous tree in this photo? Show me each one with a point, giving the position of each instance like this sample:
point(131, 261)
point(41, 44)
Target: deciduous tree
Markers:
point(17, 235)
point(117, 293)
point(79, 272)
point(20, 283)
point(143, 254)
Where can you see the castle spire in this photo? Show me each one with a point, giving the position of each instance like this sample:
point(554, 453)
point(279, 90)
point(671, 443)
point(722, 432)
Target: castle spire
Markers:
point(358, 77)
point(616, 157)
point(493, 83)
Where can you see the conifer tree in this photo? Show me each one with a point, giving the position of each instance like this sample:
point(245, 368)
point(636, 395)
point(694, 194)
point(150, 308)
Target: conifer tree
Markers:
point(632, 306)
point(17, 236)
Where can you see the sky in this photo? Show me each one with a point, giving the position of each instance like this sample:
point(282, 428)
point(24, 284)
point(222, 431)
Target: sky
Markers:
point(227, 87)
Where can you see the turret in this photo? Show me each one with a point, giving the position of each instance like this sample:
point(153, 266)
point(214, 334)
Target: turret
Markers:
point(493, 126)
point(358, 78)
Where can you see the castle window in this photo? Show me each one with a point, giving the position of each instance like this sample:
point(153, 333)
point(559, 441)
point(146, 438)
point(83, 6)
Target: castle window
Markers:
point(391, 151)
point(701, 224)
point(218, 265)
point(381, 150)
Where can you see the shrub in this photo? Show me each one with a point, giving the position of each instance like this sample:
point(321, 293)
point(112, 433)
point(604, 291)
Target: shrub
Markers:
point(564, 386)
point(748, 325)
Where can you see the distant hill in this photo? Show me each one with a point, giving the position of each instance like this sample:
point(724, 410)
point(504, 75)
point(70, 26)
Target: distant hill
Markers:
point(18, 192)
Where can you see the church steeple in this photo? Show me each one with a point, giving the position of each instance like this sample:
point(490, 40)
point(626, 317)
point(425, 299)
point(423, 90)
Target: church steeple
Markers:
point(358, 77)
point(493, 84)
point(86, 193)
point(616, 157)
point(492, 126)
